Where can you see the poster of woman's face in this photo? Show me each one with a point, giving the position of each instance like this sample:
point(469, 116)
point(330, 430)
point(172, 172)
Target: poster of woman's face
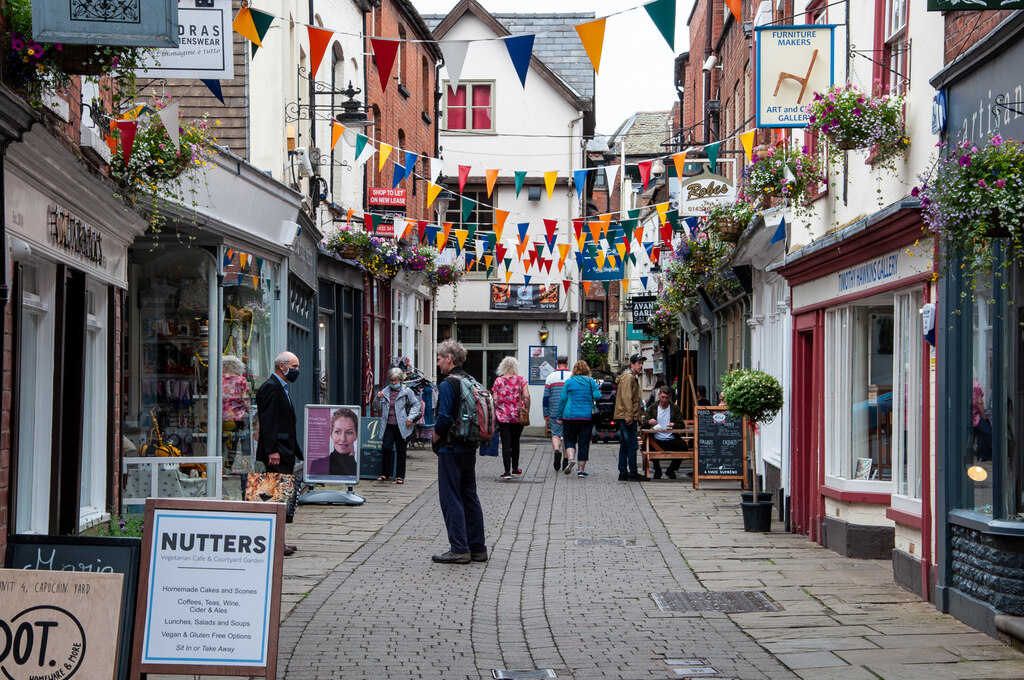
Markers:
point(332, 444)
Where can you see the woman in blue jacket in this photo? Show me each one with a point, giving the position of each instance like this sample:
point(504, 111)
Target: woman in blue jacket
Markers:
point(575, 409)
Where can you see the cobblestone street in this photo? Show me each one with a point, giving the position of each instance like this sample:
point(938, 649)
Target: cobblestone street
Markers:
point(574, 563)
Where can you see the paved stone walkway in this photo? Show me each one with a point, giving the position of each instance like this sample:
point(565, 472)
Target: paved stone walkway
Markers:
point(568, 588)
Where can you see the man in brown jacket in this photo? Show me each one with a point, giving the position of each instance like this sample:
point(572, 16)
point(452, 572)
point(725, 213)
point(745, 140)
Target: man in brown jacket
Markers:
point(628, 411)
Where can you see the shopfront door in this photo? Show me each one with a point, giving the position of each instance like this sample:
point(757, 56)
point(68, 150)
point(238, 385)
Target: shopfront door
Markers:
point(806, 422)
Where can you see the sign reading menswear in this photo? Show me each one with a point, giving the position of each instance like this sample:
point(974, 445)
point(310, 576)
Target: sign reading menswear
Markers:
point(139, 23)
point(793, 62)
point(203, 47)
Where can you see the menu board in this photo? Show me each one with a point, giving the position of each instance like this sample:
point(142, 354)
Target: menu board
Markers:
point(721, 445)
point(371, 440)
point(542, 363)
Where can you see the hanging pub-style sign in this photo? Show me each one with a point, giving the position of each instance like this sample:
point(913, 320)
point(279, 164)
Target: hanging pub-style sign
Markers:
point(793, 62)
point(203, 48)
point(133, 23)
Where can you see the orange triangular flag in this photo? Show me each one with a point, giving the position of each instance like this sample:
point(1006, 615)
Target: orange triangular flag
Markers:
point(492, 176)
point(348, 220)
point(734, 7)
point(549, 181)
point(680, 160)
point(563, 252)
point(244, 26)
point(605, 221)
point(523, 246)
point(319, 39)
point(747, 138)
point(488, 260)
point(586, 287)
point(625, 287)
point(384, 151)
point(432, 191)
point(595, 231)
point(409, 224)
point(499, 222)
point(600, 258)
point(337, 130)
point(592, 37)
point(243, 258)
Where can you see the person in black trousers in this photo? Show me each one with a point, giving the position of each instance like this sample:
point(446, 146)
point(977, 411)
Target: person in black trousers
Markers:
point(399, 410)
point(456, 466)
point(278, 446)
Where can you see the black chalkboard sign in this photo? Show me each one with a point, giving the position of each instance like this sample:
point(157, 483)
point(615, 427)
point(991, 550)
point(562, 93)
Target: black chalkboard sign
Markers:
point(86, 553)
point(371, 438)
point(721, 451)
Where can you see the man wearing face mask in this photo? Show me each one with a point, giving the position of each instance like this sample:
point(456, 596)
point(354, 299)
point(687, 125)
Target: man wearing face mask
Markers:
point(278, 446)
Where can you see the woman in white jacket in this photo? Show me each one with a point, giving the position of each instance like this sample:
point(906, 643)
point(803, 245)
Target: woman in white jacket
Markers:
point(399, 410)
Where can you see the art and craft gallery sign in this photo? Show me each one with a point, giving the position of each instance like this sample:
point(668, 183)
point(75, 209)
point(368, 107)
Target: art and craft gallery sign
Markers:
point(793, 62)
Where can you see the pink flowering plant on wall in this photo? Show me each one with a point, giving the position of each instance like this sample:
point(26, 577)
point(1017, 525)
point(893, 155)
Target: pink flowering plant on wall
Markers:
point(976, 194)
point(663, 321)
point(786, 172)
point(852, 119)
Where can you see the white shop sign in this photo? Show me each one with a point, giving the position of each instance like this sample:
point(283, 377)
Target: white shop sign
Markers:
point(793, 62)
point(205, 49)
point(209, 589)
point(892, 267)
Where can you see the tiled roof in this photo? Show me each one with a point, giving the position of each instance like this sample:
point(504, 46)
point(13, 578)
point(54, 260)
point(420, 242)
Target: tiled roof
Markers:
point(557, 44)
point(645, 131)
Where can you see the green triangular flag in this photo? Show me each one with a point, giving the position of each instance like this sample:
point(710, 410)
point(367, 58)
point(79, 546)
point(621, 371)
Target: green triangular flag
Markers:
point(472, 232)
point(671, 217)
point(712, 151)
point(261, 20)
point(630, 225)
point(606, 284)
point(632, 258)
point(361, 140)
point(467, 207)
point(520, 176)
point(490, 270)
point(634, 214)
point(508, 262)
point(663, 14)
point(375, 220)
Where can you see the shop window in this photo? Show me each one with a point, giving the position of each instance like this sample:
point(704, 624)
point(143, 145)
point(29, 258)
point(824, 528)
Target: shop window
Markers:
point(401, 324)
point(470, 107)
point(907, 440)
point(93, 473)
point(890, 44)
point(977, 468)
point(486, 345)
point(35, 399)
point(859, 387)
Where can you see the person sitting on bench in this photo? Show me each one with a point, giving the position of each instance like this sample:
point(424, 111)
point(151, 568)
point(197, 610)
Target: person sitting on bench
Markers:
point(667, 415)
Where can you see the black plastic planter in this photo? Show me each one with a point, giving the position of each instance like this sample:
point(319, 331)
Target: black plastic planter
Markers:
point(762, 496)
point(757, 515)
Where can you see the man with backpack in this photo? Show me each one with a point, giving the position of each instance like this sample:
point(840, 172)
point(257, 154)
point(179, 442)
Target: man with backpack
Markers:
point(456, 460)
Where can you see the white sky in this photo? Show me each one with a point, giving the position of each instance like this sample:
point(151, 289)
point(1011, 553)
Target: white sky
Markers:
point(636, 63)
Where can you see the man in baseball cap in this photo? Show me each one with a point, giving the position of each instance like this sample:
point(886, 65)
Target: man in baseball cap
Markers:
point(628, 412)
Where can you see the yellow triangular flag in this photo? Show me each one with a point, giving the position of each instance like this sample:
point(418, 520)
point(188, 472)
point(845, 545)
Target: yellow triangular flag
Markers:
point(488, 259)
point(600, 258)
point(432, 191)
point(499, 222)
point(549, 181)
point(662, 208)
point(442, 238)
point(611, 261)
point(134, 113)
point(244, 26)
point(384, 151)
point(680, 160)
point(605, 221)
point(563, 252)
point(337, 130)
point(508, 276)
point(492, 176)
point(621, 247)
point(460, 237)
point(748, 143)
point(592, 37)
point(625, 287)
point(579, 242)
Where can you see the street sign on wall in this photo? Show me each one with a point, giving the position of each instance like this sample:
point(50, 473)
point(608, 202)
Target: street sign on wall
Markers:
point(793, 62)
point(152, 23)
point(204, 47)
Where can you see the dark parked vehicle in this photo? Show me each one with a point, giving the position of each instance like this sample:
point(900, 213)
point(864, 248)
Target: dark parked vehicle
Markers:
point(605, 427)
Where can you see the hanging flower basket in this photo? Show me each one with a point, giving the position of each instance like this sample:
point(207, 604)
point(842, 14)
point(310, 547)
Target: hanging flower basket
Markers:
point(852, 119)
point(729, 229)
point(729, 220)
point(787, 173)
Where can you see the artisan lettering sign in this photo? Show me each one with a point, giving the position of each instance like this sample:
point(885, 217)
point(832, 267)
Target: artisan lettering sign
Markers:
point(149, 23)
point(793, 62)
point(69, 232)
point(58, 624)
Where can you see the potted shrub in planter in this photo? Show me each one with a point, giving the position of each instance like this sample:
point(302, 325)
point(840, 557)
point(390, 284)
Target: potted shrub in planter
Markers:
point(784, 172)
point(728, 220)
point(757, 397)
point(381, 257)
point(977, 195)
point(851, 119)
point(346, 243)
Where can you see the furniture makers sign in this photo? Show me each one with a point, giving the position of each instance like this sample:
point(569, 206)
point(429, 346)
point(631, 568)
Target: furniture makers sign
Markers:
point(793, 62)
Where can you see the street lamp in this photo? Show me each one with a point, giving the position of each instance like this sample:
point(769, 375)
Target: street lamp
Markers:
point(593, 325)
point(543, 333)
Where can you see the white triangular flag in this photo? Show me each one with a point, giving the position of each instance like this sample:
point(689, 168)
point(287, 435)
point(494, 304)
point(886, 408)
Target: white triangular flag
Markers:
point(169, 117)
point(436, 165)
point(454, 52)
point(610, 173)
point(366, 154)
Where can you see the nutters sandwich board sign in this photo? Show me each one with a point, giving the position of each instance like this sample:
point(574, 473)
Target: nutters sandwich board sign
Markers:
point(793, 62)
point(209, 588)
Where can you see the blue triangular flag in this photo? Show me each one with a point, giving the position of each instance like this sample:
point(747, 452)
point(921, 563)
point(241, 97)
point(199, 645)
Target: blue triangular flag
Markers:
point(643, 282)
point(691, 223)
point(399, 175)
point(410, 162)
point(214, 87)
point(579, 178)
point(579, 260)
point(780, 233)
point(526, 279)
point(520, 49)
point(523, 227)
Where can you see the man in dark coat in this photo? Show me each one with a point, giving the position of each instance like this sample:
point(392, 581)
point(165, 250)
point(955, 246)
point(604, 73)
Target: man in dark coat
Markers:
point(278, 446)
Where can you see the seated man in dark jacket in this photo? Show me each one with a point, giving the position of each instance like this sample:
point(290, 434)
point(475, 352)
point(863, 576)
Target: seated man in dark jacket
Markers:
point(667, 415)
point(456, 466)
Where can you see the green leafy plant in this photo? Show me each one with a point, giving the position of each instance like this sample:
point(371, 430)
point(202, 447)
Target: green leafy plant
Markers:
point(752, 394)
point(728, 220)
point(696, 262)
point(852, 119)
point(594, 347)
point(977, 194)
point(125, 526)
point(663, 321)
point(784, 172)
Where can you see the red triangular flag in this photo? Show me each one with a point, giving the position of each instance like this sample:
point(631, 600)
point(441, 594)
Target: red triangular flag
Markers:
point(127, 129)
point(319, 39)
point(499, 252)
point(645, 171)
point(666, 232)
point(463, 174)
point(422, 227)
point(549, 227)
point(384, 51)
point(566, 283)
point(577, 225)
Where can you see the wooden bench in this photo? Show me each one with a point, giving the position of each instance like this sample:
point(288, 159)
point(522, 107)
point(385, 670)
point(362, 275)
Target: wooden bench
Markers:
point(650, 450)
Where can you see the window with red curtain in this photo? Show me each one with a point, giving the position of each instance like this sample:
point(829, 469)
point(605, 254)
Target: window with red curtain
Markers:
point(471, 107)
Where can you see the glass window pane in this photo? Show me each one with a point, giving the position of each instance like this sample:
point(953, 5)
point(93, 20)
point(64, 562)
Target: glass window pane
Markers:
point(456, 118)
point(501, 334)
point(474, 364)
point(444, 331)
point(481, 119)
point(470, 333)
point(976, 465)
point(871, 385)
point(493, 359)
point(481, 95)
